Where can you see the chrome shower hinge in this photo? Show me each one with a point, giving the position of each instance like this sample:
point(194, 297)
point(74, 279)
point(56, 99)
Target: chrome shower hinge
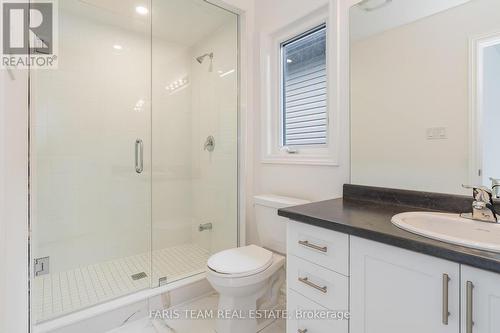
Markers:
point(162, 281)
point(41, 266)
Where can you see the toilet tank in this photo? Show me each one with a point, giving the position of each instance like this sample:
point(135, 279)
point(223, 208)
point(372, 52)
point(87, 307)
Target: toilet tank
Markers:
point(271, 227)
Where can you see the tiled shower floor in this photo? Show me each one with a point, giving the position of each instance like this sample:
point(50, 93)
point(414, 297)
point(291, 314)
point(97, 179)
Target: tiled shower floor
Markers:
point(65, 292)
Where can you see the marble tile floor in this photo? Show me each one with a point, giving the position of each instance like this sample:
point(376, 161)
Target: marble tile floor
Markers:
point(209, 302)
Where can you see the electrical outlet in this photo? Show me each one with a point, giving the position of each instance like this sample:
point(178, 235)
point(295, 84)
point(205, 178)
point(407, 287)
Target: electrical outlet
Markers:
point(436, 133)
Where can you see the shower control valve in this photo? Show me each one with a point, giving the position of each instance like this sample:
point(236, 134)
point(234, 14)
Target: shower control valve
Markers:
point(209, 144)
point(206, 226)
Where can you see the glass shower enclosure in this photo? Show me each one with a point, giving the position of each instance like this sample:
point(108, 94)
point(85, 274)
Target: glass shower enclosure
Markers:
point(134, 150)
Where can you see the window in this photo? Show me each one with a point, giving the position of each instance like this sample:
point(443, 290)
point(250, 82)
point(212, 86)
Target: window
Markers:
point(300, 120)
point(304, 112)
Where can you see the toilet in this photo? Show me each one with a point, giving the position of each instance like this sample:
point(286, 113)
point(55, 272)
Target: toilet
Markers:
point(249, 278)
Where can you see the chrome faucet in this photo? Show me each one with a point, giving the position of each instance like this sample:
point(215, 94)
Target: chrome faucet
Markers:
point(483, 207)
point(495, 187)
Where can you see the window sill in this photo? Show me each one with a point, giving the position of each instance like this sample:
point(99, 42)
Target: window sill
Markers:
point(297, 160)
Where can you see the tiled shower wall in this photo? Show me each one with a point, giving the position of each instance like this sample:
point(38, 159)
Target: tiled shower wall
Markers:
point(90, 206)
point(215, 112)
point(192, 186)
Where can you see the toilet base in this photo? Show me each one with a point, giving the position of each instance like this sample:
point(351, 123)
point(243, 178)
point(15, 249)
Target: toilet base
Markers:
point(236, 315)
point(239, 314)
point(241, 296)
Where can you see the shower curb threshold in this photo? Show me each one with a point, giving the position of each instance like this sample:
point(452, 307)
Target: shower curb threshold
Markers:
point(91, 312)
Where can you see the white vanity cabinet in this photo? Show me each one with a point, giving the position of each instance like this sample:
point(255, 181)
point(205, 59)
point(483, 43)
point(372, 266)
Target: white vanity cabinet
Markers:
point(394, 290)
point(317, 278)
point(303, 324)
point(385, 288)
point(480, 294)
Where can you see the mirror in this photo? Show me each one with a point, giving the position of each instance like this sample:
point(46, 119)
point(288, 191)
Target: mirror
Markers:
point(425, 94)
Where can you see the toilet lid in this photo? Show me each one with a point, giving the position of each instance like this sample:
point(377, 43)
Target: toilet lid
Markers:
point(248, 259)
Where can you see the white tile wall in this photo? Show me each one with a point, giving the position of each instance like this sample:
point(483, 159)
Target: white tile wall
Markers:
point(91, 212)
point(89, 205)
point(215, 112)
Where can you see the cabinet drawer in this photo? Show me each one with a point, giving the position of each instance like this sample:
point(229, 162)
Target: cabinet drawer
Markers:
point(317, 283)
point(324, 247)
point(300, 308)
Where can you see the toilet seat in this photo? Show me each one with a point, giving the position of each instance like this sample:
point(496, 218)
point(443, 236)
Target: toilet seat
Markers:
point(241, 262)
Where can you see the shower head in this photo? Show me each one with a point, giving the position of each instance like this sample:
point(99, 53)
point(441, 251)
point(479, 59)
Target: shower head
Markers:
point(210, 55)
point(201, 58)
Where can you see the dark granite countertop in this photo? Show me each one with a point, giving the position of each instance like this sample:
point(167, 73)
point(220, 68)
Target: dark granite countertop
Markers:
point(372, 220)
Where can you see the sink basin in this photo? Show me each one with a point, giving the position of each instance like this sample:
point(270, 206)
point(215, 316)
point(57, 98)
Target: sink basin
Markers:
point(451, 228)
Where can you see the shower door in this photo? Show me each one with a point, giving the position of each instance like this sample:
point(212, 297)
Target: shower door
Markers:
point(195, 136)
point(134, 150)
point(91, 159)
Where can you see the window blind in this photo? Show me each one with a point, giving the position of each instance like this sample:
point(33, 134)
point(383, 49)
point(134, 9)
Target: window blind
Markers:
point(304, 89)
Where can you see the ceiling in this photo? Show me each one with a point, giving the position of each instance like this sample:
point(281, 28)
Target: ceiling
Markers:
point(396, 13)
point(178, 21)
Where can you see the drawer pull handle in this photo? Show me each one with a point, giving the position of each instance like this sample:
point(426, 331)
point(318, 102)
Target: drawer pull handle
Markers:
point(302, 331)
point(446, 311)
point(323, 249)
point(306, 281)
point(469, 327)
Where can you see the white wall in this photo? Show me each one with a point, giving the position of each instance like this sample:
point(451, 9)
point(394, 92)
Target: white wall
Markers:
point(302, 181)
point(407, 80)
point(3, 238)
point(171, 132)
point(367, 23)
point(13, 202)
point(215, 112)
point(491, 114)
point(190, 185)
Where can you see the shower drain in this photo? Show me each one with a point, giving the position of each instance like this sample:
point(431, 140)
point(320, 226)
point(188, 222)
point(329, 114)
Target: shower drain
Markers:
point(139, 276)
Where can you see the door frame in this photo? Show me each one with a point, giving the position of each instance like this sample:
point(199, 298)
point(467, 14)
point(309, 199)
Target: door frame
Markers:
point(477, 45)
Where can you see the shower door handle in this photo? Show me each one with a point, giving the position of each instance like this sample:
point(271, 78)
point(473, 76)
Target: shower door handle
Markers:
point(139, 156)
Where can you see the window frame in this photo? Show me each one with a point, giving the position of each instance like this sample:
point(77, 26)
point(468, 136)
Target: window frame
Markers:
point(282, 90)
point(272, 150)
